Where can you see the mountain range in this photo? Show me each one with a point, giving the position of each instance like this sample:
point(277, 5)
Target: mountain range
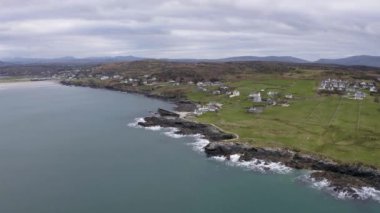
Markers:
point(288, 59)
point(71, 60)
point(362, 60)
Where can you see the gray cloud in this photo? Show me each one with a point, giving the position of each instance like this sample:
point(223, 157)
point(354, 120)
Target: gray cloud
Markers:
point(189, 28)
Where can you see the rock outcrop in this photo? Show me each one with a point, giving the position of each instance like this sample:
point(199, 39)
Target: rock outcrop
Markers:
point(342, 177)
point(186, 127)
point(167, 113)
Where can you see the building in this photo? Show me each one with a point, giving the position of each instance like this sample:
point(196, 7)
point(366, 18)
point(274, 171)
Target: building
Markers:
point(235, 93)
point(289, 96)
point(373, 89)
point(210, 107)
point(359, 95)
point(103, 78)
point(216, 92)
point(256, 97)
point(256, 110)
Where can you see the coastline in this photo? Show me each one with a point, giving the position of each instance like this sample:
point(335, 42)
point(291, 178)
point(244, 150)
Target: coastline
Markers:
point(349, 180)
point(25, 83)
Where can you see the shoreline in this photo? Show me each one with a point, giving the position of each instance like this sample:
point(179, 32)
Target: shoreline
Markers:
point(25, 83)
point(342, 178)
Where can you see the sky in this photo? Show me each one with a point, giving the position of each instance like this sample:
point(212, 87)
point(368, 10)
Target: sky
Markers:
point(309, 29)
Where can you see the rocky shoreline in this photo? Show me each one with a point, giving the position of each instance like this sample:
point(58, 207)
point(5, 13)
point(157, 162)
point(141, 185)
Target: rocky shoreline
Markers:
point(342, 178)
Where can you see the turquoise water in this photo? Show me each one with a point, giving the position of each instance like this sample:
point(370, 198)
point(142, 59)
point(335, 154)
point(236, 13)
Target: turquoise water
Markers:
point(67, 149)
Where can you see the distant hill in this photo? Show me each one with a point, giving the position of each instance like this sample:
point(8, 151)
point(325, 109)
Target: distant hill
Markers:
point(3, 63)
point(364, 60)
point(72, 60)
point(287, 59)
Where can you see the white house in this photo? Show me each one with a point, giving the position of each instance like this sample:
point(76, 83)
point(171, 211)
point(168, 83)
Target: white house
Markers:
point(373, 89)
point(117, 77)
point(289, 96)
point(103, 78)
point(235, 93)
point(359, 95)
point(256, 96)
point(210, 107)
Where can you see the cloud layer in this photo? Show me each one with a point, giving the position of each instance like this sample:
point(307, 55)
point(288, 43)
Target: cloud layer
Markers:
point(189, 28)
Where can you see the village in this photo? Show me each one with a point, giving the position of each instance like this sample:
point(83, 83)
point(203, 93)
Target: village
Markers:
point(349, 89)
point(260, 99)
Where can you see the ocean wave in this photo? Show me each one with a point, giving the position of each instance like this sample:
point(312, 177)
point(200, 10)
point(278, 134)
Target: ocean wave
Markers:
point(136, 122)
point(154, 128)
point(200, 143)
point(219, 158)
point(255, 164)
point(171, 132)
point(349, 193)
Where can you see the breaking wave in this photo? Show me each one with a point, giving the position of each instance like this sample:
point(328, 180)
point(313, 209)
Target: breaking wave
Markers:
point(255, 164)
point(135, 123)
point(171, 132)
point(198, 144)
point(351, 193)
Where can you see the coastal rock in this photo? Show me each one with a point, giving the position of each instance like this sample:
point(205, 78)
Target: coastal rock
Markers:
point(188, 127)
point(339, 182)
point(247, 152)
point(343, 177)
point(166, 113)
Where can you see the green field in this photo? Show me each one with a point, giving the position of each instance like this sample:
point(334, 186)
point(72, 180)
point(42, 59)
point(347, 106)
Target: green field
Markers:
point(339, 128)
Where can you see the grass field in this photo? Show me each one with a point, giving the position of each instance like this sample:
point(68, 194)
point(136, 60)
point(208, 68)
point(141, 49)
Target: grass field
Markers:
point(339, 128)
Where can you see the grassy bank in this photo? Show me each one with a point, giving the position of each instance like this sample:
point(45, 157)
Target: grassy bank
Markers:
point(339, 128)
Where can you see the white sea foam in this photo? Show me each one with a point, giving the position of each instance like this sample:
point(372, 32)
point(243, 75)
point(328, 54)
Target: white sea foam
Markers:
point(154, 128)
point(135, 123)
point(200, 143)
point(363, 193)
point(254, 164)
point(171, 132)
point(259, 165)
point(219, 158)
point(366, 193)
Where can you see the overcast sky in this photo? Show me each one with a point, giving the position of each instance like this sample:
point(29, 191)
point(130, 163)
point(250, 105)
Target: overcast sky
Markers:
point(308, 29)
